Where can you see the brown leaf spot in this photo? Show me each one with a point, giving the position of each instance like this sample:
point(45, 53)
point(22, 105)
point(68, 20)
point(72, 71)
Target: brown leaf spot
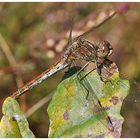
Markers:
point(117, 123)
point(66, 115)
point(114, 100)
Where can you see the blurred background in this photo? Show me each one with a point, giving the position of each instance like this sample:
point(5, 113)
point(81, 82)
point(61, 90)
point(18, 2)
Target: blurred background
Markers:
point(33, 36)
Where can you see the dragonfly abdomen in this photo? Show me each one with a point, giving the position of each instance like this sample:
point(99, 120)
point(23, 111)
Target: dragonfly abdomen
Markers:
point(45, 75)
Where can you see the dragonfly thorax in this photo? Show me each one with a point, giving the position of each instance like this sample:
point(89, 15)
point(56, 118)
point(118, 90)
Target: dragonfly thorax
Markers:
point(82, 49)
point(92, 51)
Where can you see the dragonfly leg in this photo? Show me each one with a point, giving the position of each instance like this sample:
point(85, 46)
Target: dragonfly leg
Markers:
point(83, 79)
point(109, 119)
point(79, 72)
point(79, 78)
point(85, 89)
point(111, 127)
point(99, 67)
point(107, 63)
point(83, 68)
point(87, 74)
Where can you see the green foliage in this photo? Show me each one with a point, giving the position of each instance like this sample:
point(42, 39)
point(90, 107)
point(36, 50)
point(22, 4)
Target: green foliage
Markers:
point(13, 123)
point(71, 114)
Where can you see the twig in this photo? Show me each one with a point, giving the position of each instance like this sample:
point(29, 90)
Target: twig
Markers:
point(83, 27)
point(38, 105)
point(102, 18)
point(5, 48)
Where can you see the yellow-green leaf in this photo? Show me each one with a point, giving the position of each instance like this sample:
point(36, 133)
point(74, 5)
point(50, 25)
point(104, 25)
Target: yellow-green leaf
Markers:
point(72, 114)
point(13, 123)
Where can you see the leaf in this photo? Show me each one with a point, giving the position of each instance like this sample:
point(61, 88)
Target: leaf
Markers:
point(72, 115)
point(13, 123)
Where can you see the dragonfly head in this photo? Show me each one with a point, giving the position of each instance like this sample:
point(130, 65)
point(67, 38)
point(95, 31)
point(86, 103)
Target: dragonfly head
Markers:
point(104, 49)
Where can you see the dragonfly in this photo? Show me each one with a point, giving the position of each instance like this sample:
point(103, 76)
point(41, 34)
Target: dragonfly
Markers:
point(77, 49)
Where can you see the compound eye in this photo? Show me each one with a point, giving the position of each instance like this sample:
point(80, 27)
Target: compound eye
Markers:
point(103, 49)
point(110, 51)
point(106, 44)
point(108, 47)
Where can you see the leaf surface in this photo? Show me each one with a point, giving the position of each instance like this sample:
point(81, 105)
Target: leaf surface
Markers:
point(13, 123)
point(72, 114)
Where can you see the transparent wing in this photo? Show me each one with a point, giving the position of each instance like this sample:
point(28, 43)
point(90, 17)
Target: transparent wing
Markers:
point(95, 104)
